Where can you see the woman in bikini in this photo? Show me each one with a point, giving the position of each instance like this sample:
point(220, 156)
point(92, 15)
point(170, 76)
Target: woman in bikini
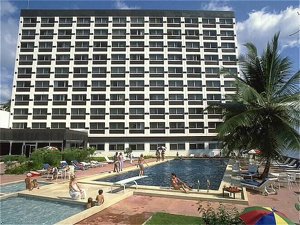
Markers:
point(177, 184)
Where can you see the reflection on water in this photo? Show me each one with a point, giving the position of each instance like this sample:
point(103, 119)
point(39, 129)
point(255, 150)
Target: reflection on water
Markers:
point(190, 171)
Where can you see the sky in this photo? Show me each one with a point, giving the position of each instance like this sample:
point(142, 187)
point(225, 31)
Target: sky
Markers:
point(257, 22)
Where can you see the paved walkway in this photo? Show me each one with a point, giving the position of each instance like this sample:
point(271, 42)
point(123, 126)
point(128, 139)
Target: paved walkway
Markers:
point(137, 209)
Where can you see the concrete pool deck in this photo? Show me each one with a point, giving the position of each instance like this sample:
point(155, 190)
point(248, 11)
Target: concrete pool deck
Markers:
point(135, 206)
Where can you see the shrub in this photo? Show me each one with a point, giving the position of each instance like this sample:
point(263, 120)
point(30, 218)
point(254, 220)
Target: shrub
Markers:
point(53, 157)
point(20, 169)
point(77, 154)
point(99, 159)
point(41, 156)
point(18, 158)
point(37, 158)
point(221, 215)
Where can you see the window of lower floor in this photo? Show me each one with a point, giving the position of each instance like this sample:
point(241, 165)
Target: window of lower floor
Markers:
point(77, 125)
point(194, 146)
point(137, 147)
point(38, 125)
point(58, 125)
point(116, 147)
point(177, 146)
point(19, 125)
point(98, 147)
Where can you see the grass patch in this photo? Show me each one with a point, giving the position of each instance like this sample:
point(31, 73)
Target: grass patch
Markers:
point(165, 218)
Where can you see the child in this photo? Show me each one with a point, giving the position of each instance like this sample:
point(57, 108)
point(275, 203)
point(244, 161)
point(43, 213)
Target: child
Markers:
point(28, 182)
point(90, 203)
point(100, 197)
point(35, 184)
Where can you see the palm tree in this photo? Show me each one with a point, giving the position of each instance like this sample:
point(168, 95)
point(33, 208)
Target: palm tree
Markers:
point(264, 113)
point(6, 106)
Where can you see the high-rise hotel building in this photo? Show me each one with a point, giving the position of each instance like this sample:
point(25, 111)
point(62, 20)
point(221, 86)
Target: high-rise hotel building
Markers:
point(134, 79)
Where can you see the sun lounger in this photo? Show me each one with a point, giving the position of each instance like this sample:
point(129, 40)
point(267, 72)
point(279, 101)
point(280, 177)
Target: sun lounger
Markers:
point(265, 187)
point(252, 171)
point(291, 164)
point(108, 160)
point(286, 162)
point(126, 181)
point(97, 164)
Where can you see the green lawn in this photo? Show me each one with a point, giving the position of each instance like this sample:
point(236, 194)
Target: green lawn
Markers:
point(165, 219)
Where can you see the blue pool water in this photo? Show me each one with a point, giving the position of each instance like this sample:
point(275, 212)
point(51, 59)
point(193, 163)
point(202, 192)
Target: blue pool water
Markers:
point(23, 210)
point(190, 171)
point(16, 187)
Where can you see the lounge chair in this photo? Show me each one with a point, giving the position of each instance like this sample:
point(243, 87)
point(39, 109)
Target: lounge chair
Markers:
point(108, 160)
point(286, 162)
point(294, 166)
point(291, 164)
point(77, 165)
point(86, 165)
point(252, 171)
point(265, 187)
point(97, 164)
point(236, 169)
point(63, 164)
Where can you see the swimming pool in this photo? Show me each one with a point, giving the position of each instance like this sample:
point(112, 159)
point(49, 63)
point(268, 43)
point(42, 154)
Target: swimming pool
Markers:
point(16, 187)
point(189, 170)
point(24, 210)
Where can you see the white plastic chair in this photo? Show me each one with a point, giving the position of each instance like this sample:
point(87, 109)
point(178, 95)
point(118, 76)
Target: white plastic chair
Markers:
point(71, 172)
point(283, 180)
point(292, 179)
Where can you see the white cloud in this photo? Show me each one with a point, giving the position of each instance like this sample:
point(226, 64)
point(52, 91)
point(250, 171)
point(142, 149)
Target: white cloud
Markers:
point(261, 26)
point(120, 4)
point(8, 40)
point(216, 5)
point(5, 85)
point(7, 8)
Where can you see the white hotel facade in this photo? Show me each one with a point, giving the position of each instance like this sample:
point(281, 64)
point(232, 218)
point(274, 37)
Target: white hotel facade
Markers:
point(129, 78)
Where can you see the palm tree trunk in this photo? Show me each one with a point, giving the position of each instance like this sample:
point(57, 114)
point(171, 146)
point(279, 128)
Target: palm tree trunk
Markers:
point(265, 173)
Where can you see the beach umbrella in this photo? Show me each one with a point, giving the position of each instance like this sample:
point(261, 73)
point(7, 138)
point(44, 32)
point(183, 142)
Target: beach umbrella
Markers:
point(50, 148)
point(254, 151)
point(258, 215)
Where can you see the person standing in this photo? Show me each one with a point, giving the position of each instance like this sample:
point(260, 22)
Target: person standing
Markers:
point(130, 157)
point(121, 161)
point(163, 151)
point(116, 163)
point(157, 155)
point(141, 163)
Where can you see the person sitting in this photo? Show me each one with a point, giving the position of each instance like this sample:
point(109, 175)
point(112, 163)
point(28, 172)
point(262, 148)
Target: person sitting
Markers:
point(177, 184)
point(35, 184)
point(28, 182)
point(90, 203)
point(54, 173)
point(100, 197)
point(74, 189)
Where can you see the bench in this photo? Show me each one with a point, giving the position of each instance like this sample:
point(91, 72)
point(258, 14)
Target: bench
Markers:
point(126, 181)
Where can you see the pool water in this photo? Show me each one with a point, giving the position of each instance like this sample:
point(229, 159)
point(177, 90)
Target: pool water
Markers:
point(189, 171)
point(24, 210)
point(16, 187)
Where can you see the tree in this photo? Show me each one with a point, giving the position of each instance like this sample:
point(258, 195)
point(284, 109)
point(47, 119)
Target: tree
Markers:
point(6, 106)
point(264, 113)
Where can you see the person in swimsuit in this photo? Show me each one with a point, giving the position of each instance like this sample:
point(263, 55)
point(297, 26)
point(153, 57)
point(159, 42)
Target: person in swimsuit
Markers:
point(178, 184)
point(28, 182)
point(100, 197)
point(90, 203)
point(75, 190)
point(141, 163)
